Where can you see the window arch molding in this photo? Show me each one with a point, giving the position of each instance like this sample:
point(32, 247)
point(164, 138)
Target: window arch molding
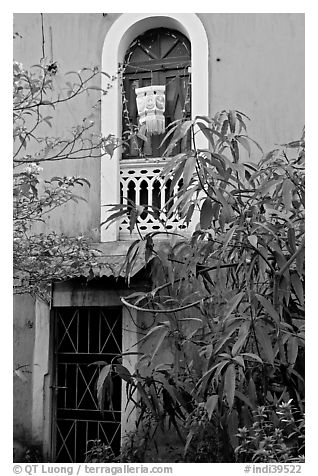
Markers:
point(118, 38)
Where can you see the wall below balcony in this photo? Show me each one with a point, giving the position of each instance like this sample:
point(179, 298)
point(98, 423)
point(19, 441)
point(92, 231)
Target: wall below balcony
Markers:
point(256, 65)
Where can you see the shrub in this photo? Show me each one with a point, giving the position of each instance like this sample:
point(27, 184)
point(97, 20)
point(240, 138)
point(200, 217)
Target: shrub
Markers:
point(99, 452)
point(274, 437)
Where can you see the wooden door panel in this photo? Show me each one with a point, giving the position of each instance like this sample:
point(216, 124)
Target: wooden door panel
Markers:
point(159, 57)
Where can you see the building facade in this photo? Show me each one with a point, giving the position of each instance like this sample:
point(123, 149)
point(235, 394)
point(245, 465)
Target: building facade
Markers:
point(250, 62)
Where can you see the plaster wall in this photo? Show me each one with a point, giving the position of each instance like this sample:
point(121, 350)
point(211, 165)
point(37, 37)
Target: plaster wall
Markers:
point(23, 346)
point(74, 41)
point(256, 65)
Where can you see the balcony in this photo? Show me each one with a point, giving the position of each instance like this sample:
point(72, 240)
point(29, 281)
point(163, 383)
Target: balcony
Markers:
point(140, 182)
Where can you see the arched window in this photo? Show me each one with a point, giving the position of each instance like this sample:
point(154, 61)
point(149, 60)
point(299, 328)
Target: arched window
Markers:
point(162, 57)
point(118, 40)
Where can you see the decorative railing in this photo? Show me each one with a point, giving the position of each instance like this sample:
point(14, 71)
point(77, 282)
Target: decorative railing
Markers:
point(140, 183)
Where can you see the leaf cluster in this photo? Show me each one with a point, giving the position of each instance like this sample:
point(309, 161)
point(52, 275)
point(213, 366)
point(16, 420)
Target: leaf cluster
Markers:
point(38, 95)
point(275, 436)
point(232, 293)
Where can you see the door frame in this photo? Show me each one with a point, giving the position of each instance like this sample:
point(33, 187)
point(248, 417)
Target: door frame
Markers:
point(43, 359)
point(42, 379)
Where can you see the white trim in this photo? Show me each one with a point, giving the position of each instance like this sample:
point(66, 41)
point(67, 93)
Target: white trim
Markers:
point(41, 409)
point(42, 398)
point(123, 31)
point(130, 341)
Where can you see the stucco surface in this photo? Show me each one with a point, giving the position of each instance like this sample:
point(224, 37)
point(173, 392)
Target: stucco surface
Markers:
point(23, 345)
point(256, 65)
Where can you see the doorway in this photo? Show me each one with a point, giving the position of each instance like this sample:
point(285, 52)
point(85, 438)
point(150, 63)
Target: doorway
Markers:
point(81, 337)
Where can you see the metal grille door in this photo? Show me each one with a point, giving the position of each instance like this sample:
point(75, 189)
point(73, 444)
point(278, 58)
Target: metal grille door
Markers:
point(82, 337)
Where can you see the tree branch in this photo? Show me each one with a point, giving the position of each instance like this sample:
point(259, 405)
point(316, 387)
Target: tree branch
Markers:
point(163, 311)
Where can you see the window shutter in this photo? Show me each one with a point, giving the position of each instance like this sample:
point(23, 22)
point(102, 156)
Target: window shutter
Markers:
point(158, 57)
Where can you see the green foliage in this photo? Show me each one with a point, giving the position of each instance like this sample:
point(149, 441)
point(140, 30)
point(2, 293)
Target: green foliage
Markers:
point(99, 452)
point(137, 443)
point(206, 442)
point(32, 455)
point(274, 437)
point(232, 294)
point(37, 97)
point(40, 258)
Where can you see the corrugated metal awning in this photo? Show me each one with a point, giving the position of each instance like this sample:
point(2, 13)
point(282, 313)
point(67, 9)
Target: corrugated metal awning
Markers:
point(110, 261)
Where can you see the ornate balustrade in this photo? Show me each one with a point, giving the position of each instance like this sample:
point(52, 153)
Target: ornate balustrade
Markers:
point(140, 182)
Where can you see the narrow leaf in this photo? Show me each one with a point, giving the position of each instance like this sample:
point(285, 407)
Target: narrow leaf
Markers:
point(206, 131)
point(269, 308)
point(291, 240)
point(234, 302)
point(266, 343)
point(123, 372)
point(253, 356)
point(229, 384)
point(292, 349)
point(244, 399)
point(206, 214)
point(103, 378)
point(245, 143)
point(232, 120)
point(253, 240)
point(98, 362)
point(239, 359)
point(188, 441)
point(145, 398)
point(229, 235)
point(287, 191)
point(298, 287)
point(232, 426)
point(152, 330)
point(241, 338)
point(159, 342)
point(300, 259)
point(188, 171)
point(252, 392)
point(226, 337)
point(211, 404)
